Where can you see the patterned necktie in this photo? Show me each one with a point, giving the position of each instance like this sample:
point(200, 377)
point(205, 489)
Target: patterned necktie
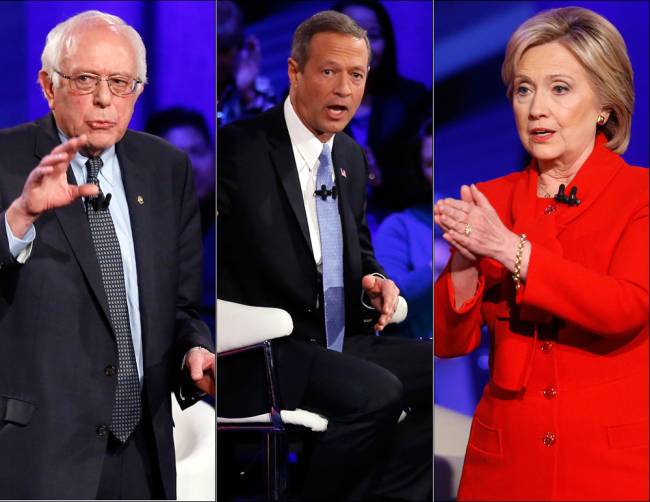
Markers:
point(331, 241)
point(127, 406)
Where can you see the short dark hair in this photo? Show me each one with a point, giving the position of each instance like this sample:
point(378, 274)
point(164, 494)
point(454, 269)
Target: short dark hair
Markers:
point(327, 21)
point(161, 122)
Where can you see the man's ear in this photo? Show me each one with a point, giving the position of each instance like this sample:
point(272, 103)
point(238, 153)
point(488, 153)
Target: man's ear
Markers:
point(139, 91)
point(47, 87)
point(294, 72)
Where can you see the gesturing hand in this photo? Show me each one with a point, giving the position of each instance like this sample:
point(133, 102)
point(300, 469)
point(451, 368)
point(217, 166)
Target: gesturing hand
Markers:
point(441, 213)
point(383, 294)
point(473, 227)
point(47, 187)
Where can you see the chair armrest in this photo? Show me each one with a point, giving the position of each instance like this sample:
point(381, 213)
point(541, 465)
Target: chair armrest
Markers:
point(310, 419)
point(242, 325)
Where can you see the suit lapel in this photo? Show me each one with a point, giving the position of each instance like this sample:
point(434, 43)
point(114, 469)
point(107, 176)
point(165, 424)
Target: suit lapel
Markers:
point(339, 159)
point(285, 165)
point(592, 178)
point(135, 177)
point(73, 221)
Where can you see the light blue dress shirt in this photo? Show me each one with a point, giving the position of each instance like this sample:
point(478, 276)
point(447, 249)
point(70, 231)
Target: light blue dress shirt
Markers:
point(110, 181)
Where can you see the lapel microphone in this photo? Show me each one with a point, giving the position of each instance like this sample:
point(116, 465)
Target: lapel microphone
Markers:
point(101, 202)
point(571, 200)
point(324, 193)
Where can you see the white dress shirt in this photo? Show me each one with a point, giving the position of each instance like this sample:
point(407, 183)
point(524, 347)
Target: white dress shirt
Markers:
point(110, 180)
point(306, 150)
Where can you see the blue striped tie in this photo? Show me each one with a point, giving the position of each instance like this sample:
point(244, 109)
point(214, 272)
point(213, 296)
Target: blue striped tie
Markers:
point(331, 241)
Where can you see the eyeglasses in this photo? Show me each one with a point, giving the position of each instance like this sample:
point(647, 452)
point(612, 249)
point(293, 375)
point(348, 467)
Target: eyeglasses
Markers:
point(86, 83)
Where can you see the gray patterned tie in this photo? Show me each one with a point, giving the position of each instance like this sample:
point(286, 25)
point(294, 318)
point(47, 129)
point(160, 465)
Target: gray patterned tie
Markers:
point(331, 241)
point(127, 406)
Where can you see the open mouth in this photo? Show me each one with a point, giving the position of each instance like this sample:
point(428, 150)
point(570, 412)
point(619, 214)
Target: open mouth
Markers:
point(336, 111)
point(541, 132)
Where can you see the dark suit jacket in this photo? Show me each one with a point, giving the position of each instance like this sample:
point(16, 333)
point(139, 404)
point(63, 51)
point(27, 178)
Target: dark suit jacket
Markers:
point(264, 255)
point(55, 336)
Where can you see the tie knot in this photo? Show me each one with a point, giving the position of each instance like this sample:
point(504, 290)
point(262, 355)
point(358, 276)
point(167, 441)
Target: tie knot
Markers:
point(93, 165)
point(325, 155)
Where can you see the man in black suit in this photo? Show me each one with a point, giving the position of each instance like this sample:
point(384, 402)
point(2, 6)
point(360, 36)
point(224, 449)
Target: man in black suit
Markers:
point(98, 316)
point(275, 248)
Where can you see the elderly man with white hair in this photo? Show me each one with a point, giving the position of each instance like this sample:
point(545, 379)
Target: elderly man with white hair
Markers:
point(100, 275)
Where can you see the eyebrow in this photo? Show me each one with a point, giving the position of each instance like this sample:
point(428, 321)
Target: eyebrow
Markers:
point(338, 65)
point(553, 76)
point(82, 70)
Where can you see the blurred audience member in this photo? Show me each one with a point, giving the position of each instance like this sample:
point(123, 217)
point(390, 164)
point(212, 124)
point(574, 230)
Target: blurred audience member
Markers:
point(241, 91)
point(392, 109)
point(189, 131)
point(403, 245)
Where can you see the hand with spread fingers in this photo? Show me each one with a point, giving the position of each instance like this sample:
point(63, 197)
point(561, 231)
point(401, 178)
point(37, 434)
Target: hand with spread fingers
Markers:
point(47, 187)
point(473, 227)
point(383, 295)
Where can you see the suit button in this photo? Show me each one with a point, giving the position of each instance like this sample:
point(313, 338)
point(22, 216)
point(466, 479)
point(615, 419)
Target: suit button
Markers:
point(312, 340)
point(101, 430)
point(549, 439)
point(110, 370)
point(546, 347)
point(308, 310)
point(550, 392)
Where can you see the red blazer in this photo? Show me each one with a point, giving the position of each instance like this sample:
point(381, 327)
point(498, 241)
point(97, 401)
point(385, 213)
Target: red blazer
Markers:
point(565, 414)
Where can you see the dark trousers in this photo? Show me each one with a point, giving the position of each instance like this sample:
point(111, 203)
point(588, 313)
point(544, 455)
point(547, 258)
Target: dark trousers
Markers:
point(362, 392)
point(131, 470)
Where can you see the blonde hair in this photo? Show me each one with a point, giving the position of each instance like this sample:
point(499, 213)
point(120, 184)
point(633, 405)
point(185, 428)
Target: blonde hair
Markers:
point(599, 48)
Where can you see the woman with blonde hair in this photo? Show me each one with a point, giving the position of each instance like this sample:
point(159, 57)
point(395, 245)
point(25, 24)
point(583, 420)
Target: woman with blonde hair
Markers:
point(554, 260)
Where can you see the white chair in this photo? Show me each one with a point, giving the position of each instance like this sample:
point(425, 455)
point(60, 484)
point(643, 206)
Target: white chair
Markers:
point(450, 441)
point(194, 440)
point(243, 328)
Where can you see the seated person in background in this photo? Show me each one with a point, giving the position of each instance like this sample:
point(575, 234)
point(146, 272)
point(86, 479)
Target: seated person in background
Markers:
point(403, 245)
point(241, 91)
point(388, 118)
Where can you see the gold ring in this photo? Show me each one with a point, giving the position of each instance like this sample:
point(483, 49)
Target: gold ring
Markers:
point(468, 229)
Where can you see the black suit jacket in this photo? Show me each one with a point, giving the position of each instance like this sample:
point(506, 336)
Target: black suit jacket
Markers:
point(55, 335)
point(264, 254)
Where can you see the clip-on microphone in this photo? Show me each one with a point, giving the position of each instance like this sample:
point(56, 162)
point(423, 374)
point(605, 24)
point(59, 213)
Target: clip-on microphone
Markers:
point(323, 193)
point(571, 200)
point(100, 202)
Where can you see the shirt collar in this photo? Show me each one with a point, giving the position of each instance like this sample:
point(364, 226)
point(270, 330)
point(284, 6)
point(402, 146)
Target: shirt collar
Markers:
point(303, 140)
point(109, 166)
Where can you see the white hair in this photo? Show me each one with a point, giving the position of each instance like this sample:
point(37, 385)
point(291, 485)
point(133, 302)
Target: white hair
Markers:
point(60, 38)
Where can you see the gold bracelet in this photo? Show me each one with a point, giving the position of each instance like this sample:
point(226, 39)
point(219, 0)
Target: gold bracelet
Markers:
point(519, 254)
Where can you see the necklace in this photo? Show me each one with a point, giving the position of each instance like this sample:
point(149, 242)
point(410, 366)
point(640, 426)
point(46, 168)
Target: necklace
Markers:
point(544, 193)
